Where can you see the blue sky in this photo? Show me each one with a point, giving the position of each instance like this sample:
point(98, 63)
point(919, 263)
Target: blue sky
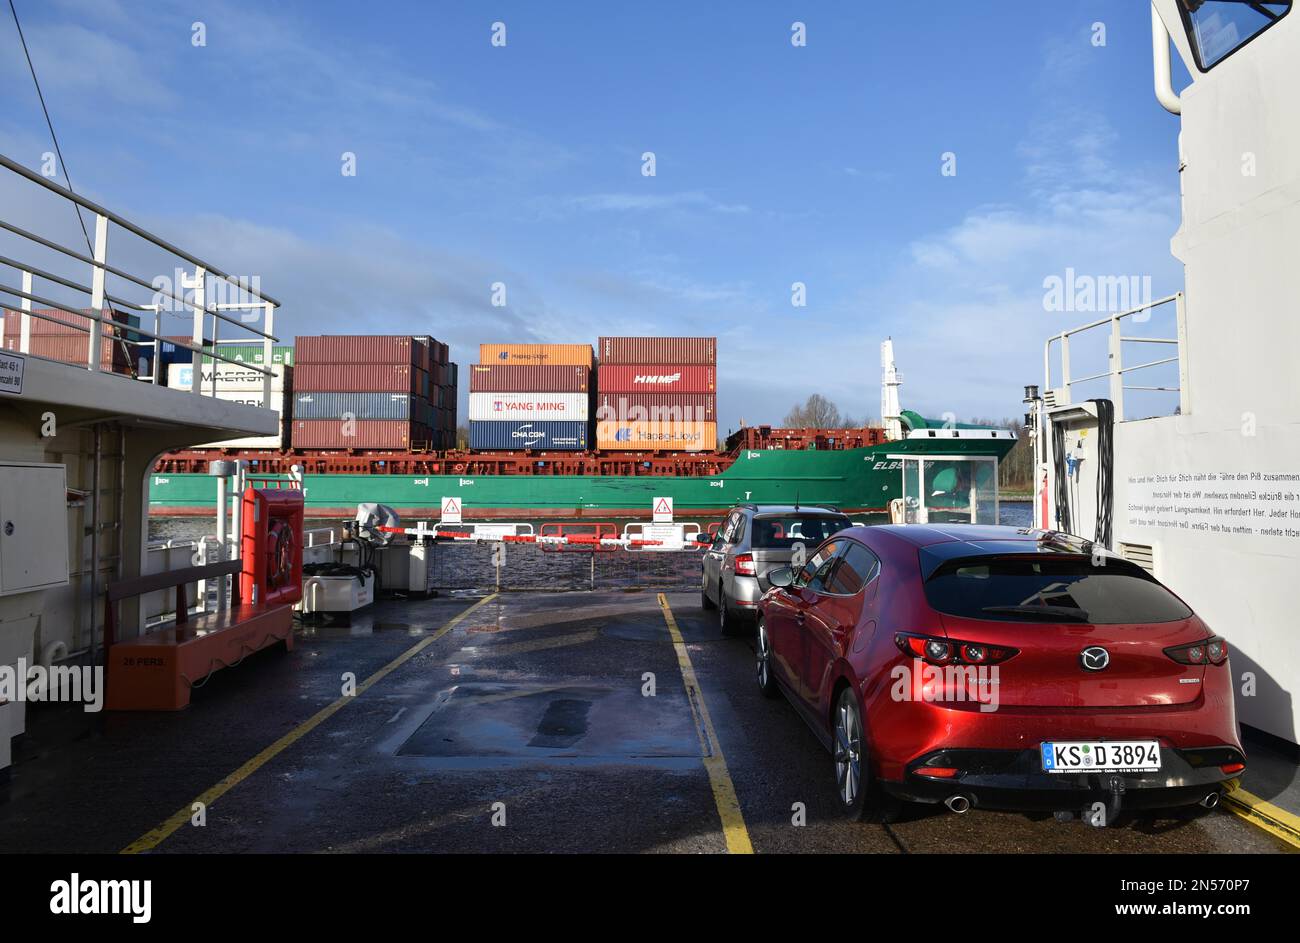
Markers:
point(522, 164)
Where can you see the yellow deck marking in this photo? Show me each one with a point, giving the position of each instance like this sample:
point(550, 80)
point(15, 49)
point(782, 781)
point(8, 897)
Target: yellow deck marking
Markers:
point(724, 791)
point(1263, 814)
point(152, 839)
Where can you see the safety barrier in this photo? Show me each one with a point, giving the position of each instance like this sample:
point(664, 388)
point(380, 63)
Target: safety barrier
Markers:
point(477, 531)
point(594, 531)
point(662, 537)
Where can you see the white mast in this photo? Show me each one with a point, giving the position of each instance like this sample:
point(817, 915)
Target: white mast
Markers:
point(890, 411)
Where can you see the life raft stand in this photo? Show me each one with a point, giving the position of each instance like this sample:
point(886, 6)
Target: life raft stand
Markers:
point(157, 670)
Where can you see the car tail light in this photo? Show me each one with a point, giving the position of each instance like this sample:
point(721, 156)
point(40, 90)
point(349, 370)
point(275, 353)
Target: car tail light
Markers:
point(938, 772)
point(944, 651)
point(1210, 651)
point(745, 564)
point(1231, 768)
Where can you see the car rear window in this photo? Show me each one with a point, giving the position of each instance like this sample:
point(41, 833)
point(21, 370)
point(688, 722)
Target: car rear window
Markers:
point(1051, 588)
point(782, 531)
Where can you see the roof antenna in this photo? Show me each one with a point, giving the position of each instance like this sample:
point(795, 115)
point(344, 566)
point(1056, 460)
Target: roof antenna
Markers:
point(796, 500)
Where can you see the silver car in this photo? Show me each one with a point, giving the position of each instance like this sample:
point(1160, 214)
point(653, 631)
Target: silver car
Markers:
point(754, 540)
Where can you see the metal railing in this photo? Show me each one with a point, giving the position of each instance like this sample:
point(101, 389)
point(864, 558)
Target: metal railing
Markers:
point(251, 298)
point(1117, 370)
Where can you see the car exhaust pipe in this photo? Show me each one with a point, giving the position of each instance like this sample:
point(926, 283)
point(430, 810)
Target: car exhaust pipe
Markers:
point(958, 804)
point(1211, 800)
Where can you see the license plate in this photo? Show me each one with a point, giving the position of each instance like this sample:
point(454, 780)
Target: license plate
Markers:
point(1113, 756)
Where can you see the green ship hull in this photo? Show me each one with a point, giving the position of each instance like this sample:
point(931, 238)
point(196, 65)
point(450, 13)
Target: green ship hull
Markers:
point(854, 480)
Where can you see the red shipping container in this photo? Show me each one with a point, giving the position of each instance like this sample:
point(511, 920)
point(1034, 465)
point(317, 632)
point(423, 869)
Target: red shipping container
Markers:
point(520, 378)
point(349, 349)
point(673, 350)
point(656, 378)
point(656, 407)
point(113, 355)
point(365, 434)
point(365, 378)
point(67, 326)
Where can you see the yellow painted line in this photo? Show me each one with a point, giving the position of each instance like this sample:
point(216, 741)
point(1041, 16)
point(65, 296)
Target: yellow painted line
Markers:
point(1263, 814)
point(153, 838)
point(724, 791)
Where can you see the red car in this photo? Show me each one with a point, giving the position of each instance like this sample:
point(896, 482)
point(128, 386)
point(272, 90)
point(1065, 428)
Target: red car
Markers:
point(999, 667)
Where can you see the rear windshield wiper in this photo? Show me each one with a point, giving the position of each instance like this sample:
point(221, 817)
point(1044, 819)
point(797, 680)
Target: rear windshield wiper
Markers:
point(1056, 612)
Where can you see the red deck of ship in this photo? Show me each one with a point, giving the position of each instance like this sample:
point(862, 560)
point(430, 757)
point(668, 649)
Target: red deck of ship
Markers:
point(526, 462)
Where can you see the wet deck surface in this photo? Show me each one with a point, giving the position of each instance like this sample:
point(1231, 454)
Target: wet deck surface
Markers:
point(533, 701)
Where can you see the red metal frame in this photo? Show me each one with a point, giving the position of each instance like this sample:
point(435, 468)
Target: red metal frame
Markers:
point(267, 513)
point(594, 530)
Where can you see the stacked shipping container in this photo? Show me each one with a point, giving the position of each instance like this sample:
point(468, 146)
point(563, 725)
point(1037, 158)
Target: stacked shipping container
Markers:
point(61, 339)
point(238, 384)
point(531, 396)
point(373, 392)
point(657, 393)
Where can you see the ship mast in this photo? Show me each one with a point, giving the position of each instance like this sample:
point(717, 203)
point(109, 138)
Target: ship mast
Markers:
point(891, 415)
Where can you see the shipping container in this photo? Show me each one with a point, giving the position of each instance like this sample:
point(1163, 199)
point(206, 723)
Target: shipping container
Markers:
point(544, 407)
point(308, 404)
point(250, 398)
point(566, 354)
point(671, 350)
point(366, 378)
point(656, 407)
point(493, 436)
point(354, 434)
point(347, 349)
point(504, 378)
point(652, 436)
point(115, 356)
point(247, 353)
point(656, 378)
point(230, 377)
point(55, 322)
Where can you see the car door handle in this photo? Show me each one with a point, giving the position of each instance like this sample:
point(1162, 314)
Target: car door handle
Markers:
point(798, 617)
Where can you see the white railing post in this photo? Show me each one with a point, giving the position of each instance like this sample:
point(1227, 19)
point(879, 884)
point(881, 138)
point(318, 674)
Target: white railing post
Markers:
point(267, 353)
point(1065, 363)
point(25, 331)
point(196, 335)
point(1117, 368)
point(97, 289)
point(1184, 387)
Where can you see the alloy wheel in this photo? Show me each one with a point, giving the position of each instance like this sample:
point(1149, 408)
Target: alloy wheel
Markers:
point(848, 750)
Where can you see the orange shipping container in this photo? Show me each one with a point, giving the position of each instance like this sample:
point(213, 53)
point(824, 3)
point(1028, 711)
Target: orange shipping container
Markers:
point(579, 355)
point(651, 436)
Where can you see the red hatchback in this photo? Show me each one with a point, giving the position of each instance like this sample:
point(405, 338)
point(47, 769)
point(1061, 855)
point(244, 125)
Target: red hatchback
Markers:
point(999, 667)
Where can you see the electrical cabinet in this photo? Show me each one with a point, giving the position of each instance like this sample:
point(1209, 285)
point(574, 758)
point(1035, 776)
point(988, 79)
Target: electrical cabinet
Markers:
point(33, 527)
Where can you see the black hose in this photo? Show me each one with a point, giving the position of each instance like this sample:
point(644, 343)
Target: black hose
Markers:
point(1105, 471)
point(1062, 476)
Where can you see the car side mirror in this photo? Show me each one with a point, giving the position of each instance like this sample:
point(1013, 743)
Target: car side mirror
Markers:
point(781, 577)
point(704, 540)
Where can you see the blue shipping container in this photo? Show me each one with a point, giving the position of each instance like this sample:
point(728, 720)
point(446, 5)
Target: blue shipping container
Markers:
point(310, 405)
point(495, 434)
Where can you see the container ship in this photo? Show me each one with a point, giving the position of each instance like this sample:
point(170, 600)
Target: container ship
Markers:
point(556, 431)
point(560, 431)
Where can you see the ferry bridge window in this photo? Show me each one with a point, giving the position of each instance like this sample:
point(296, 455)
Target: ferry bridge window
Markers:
point(1218, 28)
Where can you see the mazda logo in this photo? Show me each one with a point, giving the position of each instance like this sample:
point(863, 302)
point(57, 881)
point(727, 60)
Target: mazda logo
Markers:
point(1094, 659)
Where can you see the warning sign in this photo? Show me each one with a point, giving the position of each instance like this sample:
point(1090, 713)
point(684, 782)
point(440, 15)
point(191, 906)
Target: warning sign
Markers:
point(451, 510)
point(663, 510)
